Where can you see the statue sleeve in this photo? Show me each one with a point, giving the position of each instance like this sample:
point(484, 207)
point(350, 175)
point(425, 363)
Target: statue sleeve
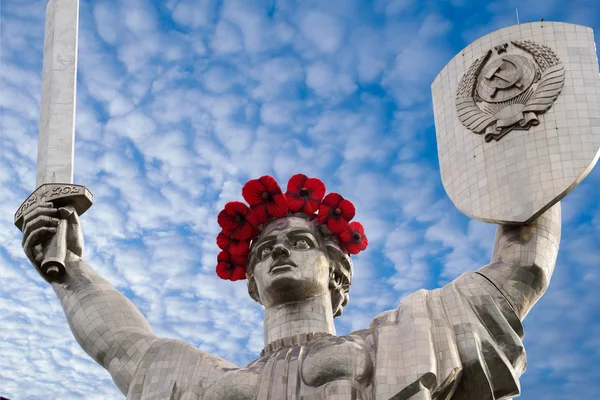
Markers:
point(523, 260)
point(461, 341)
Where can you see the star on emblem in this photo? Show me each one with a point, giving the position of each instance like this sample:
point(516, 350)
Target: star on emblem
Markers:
point(501, 48)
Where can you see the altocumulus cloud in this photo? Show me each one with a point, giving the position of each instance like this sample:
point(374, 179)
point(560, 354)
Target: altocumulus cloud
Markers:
point(180, 102)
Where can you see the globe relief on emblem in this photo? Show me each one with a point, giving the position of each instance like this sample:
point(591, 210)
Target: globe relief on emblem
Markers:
point(508, 88)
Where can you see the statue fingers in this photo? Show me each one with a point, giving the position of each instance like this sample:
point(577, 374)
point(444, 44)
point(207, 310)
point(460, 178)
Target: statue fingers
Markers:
point(38, 253)
point(38, 222)
point(35, 238)
point(40, 209)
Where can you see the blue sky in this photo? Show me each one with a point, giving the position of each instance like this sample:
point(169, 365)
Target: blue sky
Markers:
point(180, 102)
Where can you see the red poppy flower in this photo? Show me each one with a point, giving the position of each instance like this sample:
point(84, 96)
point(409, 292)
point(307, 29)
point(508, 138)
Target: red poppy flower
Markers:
point(234, 246)
point(336, 212)
point(237, 219)
point(265, 198)
point(304, 194)
point(231, 267)
point(353, 238)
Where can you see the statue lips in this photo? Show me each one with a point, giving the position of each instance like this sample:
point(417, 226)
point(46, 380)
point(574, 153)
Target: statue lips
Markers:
point(282, 265)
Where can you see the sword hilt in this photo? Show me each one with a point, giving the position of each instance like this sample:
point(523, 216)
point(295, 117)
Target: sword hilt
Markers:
point(53, 264)
point(75, 198)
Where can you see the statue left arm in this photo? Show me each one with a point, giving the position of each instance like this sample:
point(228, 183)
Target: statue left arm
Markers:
point(467, 334)
point(523, 260)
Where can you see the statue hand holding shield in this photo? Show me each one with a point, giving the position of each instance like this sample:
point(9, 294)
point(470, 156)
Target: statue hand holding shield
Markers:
point(512, 144)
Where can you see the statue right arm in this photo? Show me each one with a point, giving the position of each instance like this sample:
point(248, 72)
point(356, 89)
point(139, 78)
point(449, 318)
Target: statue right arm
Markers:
point(103, 321)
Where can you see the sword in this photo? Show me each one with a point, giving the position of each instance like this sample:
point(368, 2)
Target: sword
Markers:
point(54, 172)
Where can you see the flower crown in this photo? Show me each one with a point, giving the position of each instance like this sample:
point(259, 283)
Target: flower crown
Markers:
point(241, 225)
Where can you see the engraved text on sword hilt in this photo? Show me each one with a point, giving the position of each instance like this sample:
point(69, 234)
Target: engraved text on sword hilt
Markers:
point(76, 197)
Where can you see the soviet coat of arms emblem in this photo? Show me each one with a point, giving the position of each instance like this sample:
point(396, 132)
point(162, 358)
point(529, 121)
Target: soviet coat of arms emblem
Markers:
point(508, 88)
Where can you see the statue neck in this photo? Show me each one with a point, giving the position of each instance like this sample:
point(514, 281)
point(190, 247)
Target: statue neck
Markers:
point(309, 316)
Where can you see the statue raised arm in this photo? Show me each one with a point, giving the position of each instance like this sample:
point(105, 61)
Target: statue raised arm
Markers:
point(523, 260)
point(105, 323)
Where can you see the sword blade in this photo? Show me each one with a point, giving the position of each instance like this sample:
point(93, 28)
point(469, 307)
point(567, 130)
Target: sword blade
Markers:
point(57, 104)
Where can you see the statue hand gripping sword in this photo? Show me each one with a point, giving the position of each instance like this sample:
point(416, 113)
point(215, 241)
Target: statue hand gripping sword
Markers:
point(54, 173)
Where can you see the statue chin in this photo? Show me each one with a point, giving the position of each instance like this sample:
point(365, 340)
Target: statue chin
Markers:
point(290, 287)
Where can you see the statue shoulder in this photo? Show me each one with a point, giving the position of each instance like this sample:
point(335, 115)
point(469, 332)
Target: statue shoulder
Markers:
point(470, 289)
point(172, 365)
point(414, 302)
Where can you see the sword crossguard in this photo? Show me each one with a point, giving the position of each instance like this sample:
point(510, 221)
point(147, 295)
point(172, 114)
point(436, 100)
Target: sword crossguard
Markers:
point(75, 197)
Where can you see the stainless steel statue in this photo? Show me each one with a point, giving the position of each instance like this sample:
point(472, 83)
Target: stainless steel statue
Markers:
point(462, 341)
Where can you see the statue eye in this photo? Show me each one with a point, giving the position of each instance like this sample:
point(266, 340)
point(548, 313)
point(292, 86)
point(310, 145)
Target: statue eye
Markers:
point(301, 244)
point(266, 251)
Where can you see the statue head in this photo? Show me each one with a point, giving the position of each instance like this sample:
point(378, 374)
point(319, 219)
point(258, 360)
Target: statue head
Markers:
point(295, 259)
point(291, 246)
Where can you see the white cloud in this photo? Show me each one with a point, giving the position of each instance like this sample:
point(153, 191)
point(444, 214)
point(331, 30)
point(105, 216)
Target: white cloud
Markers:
point(250, 20)
point(326, 82)
point(140, 16)
point(394, 8)
point(104, 15)
point(227, 39)
point(277, 77)
point(134, 125)
point(195, 14)
point(324, 31)
point(218, 79)
point(275, 114)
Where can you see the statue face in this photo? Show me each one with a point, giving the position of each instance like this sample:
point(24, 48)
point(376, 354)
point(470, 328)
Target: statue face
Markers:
point(292, 263)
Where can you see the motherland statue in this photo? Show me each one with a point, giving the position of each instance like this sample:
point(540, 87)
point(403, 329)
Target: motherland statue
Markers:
point(506, 157)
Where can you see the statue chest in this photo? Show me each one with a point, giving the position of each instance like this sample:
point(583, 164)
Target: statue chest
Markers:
point(333, 367)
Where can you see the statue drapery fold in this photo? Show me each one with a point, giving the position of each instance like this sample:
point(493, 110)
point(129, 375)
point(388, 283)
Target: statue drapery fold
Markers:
point(460, 341)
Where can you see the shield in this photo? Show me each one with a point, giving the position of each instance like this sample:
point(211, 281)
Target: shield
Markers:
point(517, 119)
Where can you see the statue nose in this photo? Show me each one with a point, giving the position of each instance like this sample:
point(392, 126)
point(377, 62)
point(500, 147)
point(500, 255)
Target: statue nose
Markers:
point(280, 250)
